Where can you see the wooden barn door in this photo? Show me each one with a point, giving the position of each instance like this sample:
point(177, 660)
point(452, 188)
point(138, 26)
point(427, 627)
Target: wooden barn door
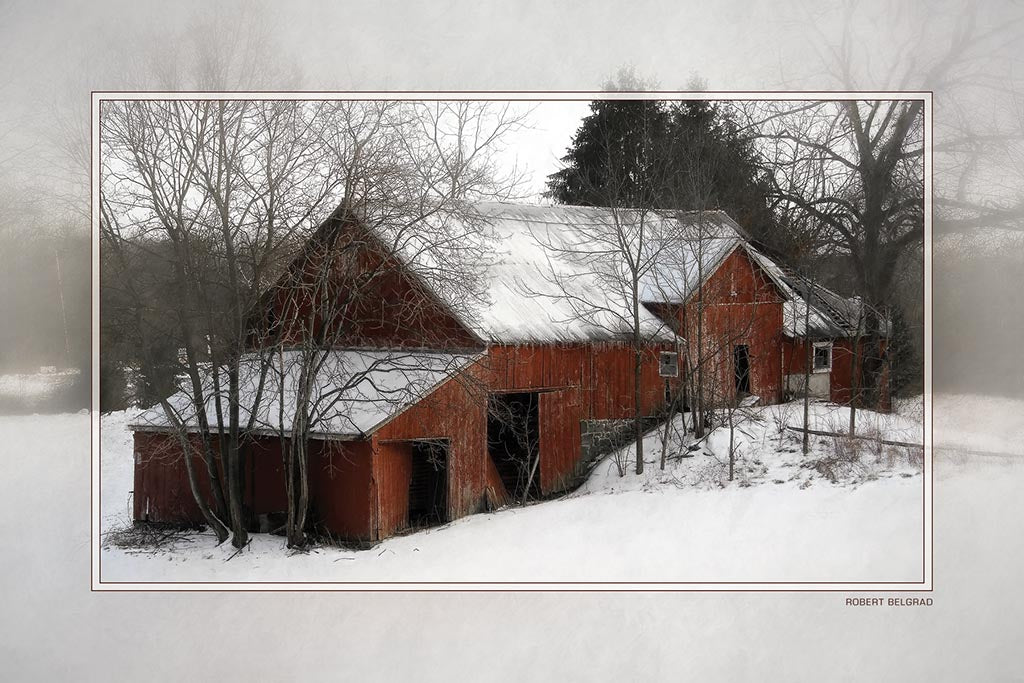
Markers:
point(559, 438)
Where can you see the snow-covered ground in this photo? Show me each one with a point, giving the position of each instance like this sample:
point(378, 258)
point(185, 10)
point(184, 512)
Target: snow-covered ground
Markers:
point(32, 391)
point(688, 523)
point(971, 631)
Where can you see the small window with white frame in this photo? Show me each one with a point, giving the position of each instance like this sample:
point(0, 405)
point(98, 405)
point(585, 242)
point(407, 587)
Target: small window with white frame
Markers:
point(822, 356)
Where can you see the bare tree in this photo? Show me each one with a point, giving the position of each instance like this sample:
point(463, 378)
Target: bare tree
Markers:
point(228, 187)
point(615, 254)
point(855, 168)
point(368, 275)
point(618, 253)
point(966, 55)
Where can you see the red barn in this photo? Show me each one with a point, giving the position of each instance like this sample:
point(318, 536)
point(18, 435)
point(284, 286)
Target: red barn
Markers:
point(434, 408)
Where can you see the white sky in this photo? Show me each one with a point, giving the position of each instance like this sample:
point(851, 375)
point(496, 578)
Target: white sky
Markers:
point(536, 150)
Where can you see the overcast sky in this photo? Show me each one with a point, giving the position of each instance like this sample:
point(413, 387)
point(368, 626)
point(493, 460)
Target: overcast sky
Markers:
point(55, 53)
point(52, 53)
point(537, 149)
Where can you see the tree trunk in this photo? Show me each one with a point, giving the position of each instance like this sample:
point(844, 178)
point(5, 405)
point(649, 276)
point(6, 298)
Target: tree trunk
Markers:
point(855, 373)
point(534, 462)
point(687, 391)
point(872, 360)
point(698, 419)
point(668, 427)
point(298, 465)
point(638, 429)
point(808, 362)
point(236, 489)
point(732, 444)
point(299, 499)
point(216, 524)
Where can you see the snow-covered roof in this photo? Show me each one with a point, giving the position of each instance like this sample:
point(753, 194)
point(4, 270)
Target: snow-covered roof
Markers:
point(799, 322)
point(356, 391)
point(521, 273)
point(547, 279)
point(831, 316)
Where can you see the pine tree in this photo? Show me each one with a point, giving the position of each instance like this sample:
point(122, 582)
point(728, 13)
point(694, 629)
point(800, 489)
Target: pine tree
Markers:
point(691, 148)
point(613, 155)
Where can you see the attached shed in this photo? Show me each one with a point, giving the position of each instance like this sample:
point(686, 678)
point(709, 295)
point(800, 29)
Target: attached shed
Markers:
point(830, 331)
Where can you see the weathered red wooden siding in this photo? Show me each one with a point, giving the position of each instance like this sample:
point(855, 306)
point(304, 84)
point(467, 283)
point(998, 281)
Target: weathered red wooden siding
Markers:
point(265, 476)
point(560, 415)
point(492, 481)
point(456, 411)
point(740, 305)
point(577, 382)
point(339, 474)
point(840, 378)
point(342, 488)
point(602, 372)
point(360, 490)
point(392, 466)
point(162, 492)
point(395, 310)
point(841, 374)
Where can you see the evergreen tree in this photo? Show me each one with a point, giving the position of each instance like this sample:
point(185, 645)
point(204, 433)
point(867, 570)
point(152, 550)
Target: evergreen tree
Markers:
point(615, 155)
point(673, 155)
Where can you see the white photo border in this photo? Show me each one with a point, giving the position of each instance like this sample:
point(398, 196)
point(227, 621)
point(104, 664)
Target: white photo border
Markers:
point(927, 569)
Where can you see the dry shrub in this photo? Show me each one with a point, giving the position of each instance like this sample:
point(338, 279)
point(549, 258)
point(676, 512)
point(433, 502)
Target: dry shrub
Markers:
point(845, 459)
point(150, 537)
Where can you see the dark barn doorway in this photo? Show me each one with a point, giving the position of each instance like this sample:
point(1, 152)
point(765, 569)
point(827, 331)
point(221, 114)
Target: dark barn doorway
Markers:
point(428, 485)
point(741, 365)
point(513, 441)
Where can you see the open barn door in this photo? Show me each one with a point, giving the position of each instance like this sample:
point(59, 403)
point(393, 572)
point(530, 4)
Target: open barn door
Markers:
point(741, 369)
point(428, 484)
point(513, 441)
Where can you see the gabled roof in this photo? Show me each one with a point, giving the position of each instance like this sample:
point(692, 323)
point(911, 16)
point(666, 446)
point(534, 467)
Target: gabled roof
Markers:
point(541, 283)
point(698, 246)
point(543, 279)
point(690, 264)
point(356, 391)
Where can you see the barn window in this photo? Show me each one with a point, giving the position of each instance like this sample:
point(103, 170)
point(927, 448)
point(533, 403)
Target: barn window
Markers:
point(822, 356)
point(668, 364)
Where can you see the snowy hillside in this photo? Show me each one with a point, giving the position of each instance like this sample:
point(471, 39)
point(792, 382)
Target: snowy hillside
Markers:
point(978, 507)
point(781, 519)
